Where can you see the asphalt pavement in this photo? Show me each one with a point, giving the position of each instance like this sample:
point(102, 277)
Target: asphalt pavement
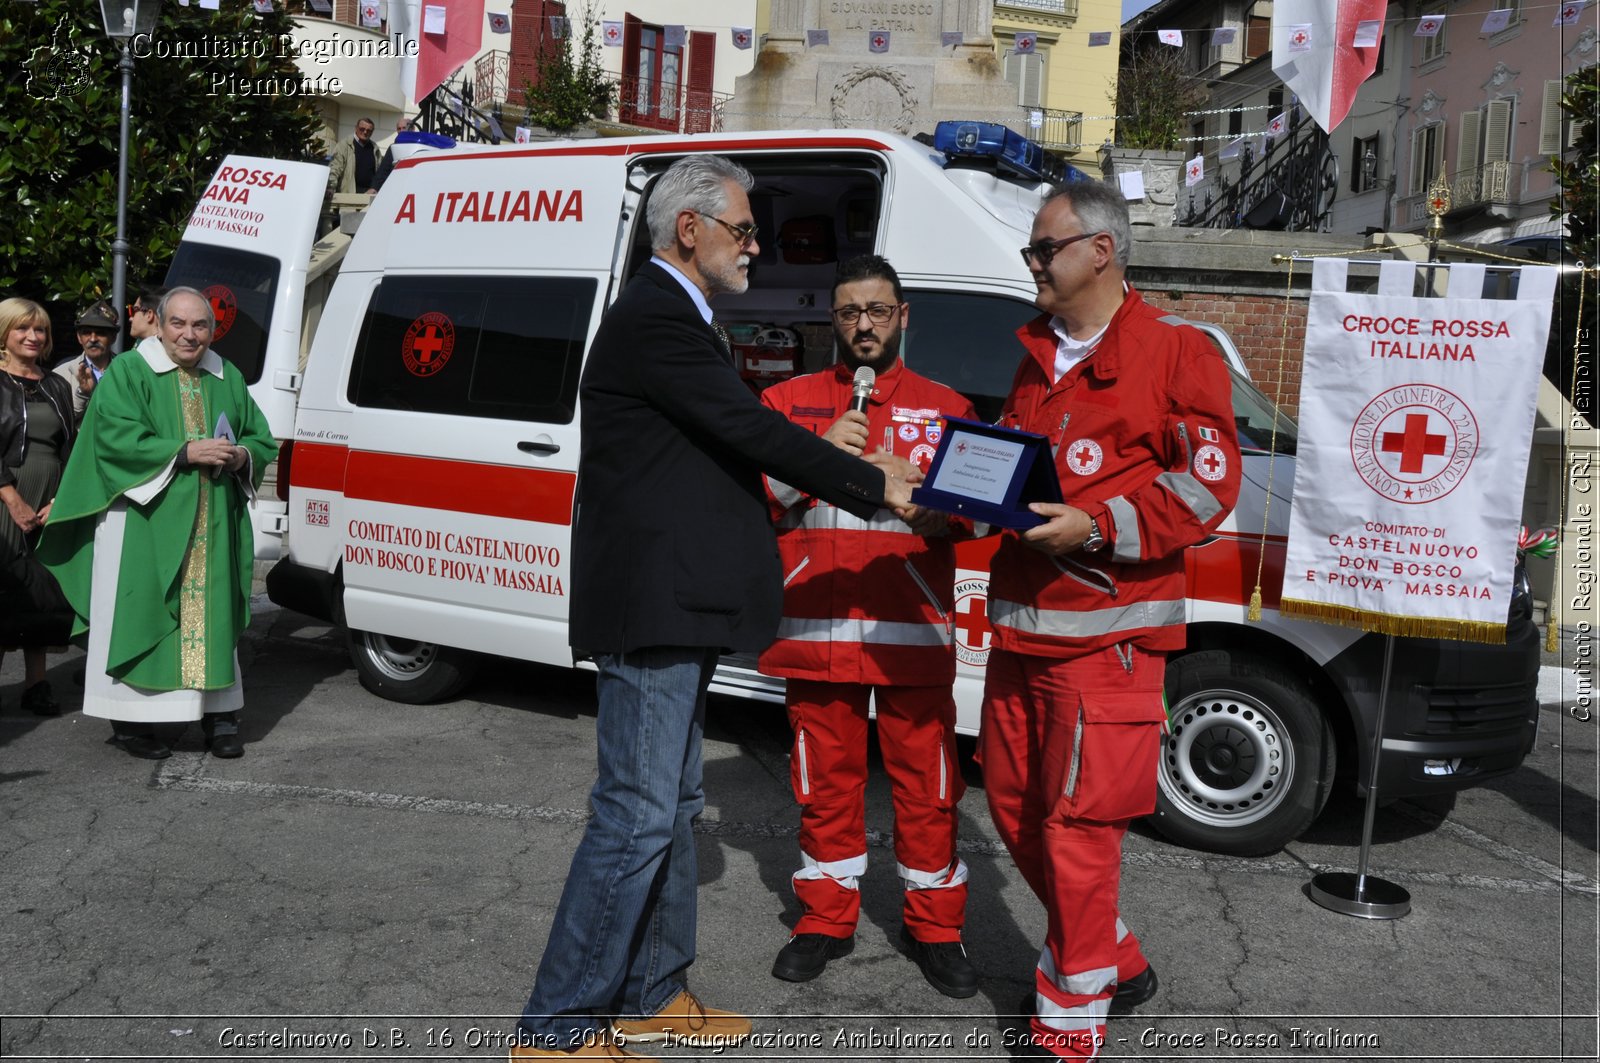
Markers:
point(375, 880)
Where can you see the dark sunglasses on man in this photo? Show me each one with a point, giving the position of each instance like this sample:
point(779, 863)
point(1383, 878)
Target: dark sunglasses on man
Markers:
point(1045, 250)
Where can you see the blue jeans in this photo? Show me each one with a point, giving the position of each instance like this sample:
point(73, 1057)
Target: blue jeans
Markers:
point(624, 931)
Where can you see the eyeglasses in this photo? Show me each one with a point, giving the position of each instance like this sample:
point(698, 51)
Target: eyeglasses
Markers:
point(1045, 250)
point(745, 234)
point(135, 310)
point(877, 313)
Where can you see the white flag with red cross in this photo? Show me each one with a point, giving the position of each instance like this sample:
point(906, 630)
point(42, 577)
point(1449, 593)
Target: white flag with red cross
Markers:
point(1429, 26)
point(1195, 171)
point(1416, 421)
point(1328, 69)
point(1172, 37)
point(611, 33)
point(1568, 15)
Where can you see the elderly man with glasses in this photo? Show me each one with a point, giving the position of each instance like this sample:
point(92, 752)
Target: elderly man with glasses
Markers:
point(1084, 607)
point(673, 563)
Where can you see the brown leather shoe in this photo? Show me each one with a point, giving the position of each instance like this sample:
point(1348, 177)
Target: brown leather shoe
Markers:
point(685, 1020)
point(602, 1046)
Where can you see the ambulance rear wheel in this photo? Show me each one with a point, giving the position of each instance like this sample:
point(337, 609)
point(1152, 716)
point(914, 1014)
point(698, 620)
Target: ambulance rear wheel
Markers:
point(1249, 760)
point(404, 670)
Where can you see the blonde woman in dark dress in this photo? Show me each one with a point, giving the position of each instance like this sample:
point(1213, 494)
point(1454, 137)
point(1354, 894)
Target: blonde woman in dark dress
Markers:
point(36, 423)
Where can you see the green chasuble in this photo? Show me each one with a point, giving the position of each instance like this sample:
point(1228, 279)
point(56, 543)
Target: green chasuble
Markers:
point(183, 585)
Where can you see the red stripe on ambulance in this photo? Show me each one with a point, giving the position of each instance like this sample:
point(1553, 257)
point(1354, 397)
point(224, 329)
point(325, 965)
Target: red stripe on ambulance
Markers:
point(437, 483)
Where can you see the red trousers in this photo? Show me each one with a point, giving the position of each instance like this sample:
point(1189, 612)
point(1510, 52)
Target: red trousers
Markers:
point(1069, 751)
point(916, 734)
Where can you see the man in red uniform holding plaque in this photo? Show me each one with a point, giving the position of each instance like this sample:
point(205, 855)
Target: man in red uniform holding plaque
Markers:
point(867, 613)
point(1137, 408)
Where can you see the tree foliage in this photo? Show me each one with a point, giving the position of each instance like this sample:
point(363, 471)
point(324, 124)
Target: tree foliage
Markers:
point(1153, 94)
point(58, 171)
point(571, 89)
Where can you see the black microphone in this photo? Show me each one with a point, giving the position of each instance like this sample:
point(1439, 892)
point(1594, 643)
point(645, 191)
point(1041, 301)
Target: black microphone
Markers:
point(861, 388)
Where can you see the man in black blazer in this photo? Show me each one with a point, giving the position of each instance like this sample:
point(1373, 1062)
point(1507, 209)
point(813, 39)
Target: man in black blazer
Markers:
point(674, 561)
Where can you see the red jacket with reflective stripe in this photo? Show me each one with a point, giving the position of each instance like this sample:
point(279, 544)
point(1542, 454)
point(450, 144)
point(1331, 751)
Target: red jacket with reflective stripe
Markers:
point(865, 601)
point(1144, 442)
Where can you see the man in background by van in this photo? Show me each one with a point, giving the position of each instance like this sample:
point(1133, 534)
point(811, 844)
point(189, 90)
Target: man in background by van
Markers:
point(1084, 608)
point(97, 331)
point(386, 167)
point(673, 562)
point(355, 161)
point(867, 612)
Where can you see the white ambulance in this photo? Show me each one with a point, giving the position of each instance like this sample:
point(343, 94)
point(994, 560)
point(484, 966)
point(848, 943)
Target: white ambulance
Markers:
point(431, 431)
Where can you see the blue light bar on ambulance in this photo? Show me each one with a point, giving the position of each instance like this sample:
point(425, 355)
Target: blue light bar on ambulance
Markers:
point(994, 144)
point(431, 140)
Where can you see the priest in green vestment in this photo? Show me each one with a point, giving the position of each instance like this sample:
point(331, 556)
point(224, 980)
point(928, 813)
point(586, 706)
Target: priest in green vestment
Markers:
point(150, 537)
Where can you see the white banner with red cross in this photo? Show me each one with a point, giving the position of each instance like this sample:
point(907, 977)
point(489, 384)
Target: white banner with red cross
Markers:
point(1416, 421)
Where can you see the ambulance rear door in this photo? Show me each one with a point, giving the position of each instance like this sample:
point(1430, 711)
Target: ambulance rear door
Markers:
point(246, 247)
point(474, 287)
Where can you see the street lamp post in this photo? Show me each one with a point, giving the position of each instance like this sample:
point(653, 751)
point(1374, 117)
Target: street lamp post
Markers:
point(124, 20)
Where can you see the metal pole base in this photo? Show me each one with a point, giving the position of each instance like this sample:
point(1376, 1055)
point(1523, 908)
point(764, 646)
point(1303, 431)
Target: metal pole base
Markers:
point(1348, 894)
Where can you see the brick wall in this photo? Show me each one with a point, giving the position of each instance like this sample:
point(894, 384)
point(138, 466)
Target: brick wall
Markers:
point(1256, 323)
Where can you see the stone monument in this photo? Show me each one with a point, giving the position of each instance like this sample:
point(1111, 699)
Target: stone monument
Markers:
point(916, 83)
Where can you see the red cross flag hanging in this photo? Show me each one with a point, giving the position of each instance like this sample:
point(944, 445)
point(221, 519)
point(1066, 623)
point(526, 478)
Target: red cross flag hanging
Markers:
point(1195, 172)
point(1416, 420)
point(1327, 67)
point(1568, 15)
point(611, 33)
point(1430, 26)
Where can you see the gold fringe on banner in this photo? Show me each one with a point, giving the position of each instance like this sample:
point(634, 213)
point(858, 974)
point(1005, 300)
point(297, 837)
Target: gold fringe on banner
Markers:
point(1427, 627)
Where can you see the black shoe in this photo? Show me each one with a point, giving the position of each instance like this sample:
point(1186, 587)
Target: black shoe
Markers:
point(39, 700)
point(804, 957)
point(226, 745)
point(1136, 990)
point(142, 746)
point(944, 964)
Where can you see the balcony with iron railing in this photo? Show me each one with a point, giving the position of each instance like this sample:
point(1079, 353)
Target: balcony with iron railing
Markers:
point(640, 102)
point(1492, 184)
point(1057, 130)
point(1064, 8)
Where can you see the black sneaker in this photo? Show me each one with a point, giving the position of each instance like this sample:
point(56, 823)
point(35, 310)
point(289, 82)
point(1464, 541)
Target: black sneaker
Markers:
point(805, 956)
point(944, 964)
point(1136, 990)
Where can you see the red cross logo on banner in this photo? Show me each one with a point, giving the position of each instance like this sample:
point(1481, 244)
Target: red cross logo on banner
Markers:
point(1299, 37)
point(1194, 171)
point(1428, 25)
point(741, 39)
point(612, 33)
point(370, 12)
point(878, 42)
point(428, 344)
point(1414, 443)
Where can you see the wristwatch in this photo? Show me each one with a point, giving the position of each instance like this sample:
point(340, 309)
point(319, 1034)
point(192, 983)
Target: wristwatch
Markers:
point(1096, 540)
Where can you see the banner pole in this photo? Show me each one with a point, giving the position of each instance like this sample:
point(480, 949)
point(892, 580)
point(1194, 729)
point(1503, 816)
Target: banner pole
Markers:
point(1361, 895)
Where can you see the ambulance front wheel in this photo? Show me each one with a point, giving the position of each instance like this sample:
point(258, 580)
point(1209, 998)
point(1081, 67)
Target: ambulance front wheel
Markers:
point(404, 670)
point(1249, 760)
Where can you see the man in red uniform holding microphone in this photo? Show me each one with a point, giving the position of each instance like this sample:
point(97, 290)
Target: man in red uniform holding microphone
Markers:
point(1137, 408)
point(868, 612)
